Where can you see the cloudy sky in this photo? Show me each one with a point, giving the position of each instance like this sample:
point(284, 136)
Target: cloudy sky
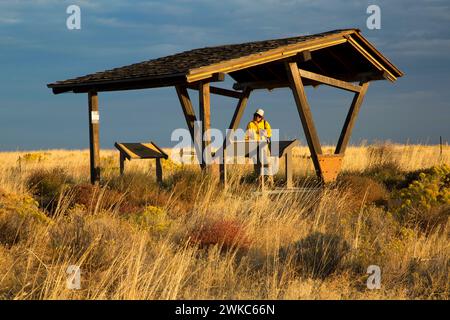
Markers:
point(36, 48)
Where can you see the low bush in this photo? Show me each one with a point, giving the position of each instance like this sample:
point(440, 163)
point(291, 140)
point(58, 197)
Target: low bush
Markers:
point(18, 216)
point(363, 190)
point(94, 241)
point(46, 186)
point(319, 254)
point(93, 197)
point(390, 174)
point(138, 190)
point(227, 234)
point(426, 201)
point(152, 218)
point(428, 279)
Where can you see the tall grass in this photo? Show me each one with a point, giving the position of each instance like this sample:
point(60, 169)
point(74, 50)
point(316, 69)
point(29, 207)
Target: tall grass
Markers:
point(190, 239)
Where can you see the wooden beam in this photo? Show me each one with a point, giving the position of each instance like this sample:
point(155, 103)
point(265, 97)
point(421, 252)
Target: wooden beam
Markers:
point(305, 56)
point(267, 56)
point(188, 110)
point(94, 143)
point(288, 169)
point(189, 115)
point(116, 85)
point(391, 77)
point(159, 171)
point(329, 81)
point(350, 119)
point(240, 108)
point(130, 84)
point(271, 84)
point(235, 120)
point(304, 111)
point(220, 91)
point(122, 162)
point(378, 53)
point(205, 118)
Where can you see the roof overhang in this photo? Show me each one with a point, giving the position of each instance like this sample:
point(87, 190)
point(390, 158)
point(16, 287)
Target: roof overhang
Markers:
point(381, 67)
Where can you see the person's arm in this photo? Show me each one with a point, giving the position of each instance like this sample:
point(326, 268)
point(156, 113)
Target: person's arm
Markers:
point(268, 130)
point(250, 133)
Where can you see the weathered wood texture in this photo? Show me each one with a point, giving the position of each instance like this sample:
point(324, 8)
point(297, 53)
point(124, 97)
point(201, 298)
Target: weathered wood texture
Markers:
point(137, 150)
point(304, 111)
point(346, 132)
point(205, 118)
point(94, 139)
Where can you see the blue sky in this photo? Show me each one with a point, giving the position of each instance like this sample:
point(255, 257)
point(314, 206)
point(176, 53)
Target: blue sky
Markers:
point(36, 48)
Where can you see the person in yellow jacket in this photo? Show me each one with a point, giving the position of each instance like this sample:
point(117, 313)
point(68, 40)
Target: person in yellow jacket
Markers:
point(258, 128)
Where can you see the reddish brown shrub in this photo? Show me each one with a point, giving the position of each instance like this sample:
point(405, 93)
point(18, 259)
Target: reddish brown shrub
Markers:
point(226, 233)
point(88, 195)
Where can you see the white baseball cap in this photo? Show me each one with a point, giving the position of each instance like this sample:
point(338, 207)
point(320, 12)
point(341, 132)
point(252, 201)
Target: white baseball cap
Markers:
point(260, 112)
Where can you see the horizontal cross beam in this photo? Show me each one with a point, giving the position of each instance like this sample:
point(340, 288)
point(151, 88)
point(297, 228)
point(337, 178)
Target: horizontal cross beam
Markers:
point(271, 84)
point(329, 81)
point(313, 77)
point(221, 91)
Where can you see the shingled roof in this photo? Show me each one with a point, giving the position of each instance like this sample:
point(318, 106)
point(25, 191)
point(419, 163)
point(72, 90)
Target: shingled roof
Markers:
point(193, 65)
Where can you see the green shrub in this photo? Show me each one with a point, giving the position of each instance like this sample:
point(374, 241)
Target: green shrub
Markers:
point(34, 157)
point(18, 216)
point(426, 201)
point(152, 218)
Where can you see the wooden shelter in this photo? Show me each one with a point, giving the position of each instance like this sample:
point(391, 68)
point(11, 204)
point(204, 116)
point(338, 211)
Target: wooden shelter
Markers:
point(343, 59)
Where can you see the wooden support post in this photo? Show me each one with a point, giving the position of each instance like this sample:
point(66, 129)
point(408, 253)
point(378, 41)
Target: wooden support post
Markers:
point(205, 117)
point(305, 113)
point(122, 163)
point(288, 169)
point(188, 110)
point(189, 115)
point(350, 119)
point(94, 144)
point(240, 108)
point(159, 173)
point(237, 116)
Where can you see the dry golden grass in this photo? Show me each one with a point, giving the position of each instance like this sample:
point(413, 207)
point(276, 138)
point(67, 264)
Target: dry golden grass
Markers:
point(192, 240)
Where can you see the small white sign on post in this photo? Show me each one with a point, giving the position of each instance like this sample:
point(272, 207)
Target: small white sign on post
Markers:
point(95, 117)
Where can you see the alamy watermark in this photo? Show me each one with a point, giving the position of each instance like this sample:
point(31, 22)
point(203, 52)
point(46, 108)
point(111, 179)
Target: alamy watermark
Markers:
point(374, 279)
point(73, 281)
point(73, 21)
point(373, 22)
point(233, 147)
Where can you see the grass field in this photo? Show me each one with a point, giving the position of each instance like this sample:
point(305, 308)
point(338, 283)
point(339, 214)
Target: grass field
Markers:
point(190, 239)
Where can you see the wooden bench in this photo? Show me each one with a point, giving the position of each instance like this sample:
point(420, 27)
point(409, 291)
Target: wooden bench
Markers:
point(251, 151)
point(137, 150)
